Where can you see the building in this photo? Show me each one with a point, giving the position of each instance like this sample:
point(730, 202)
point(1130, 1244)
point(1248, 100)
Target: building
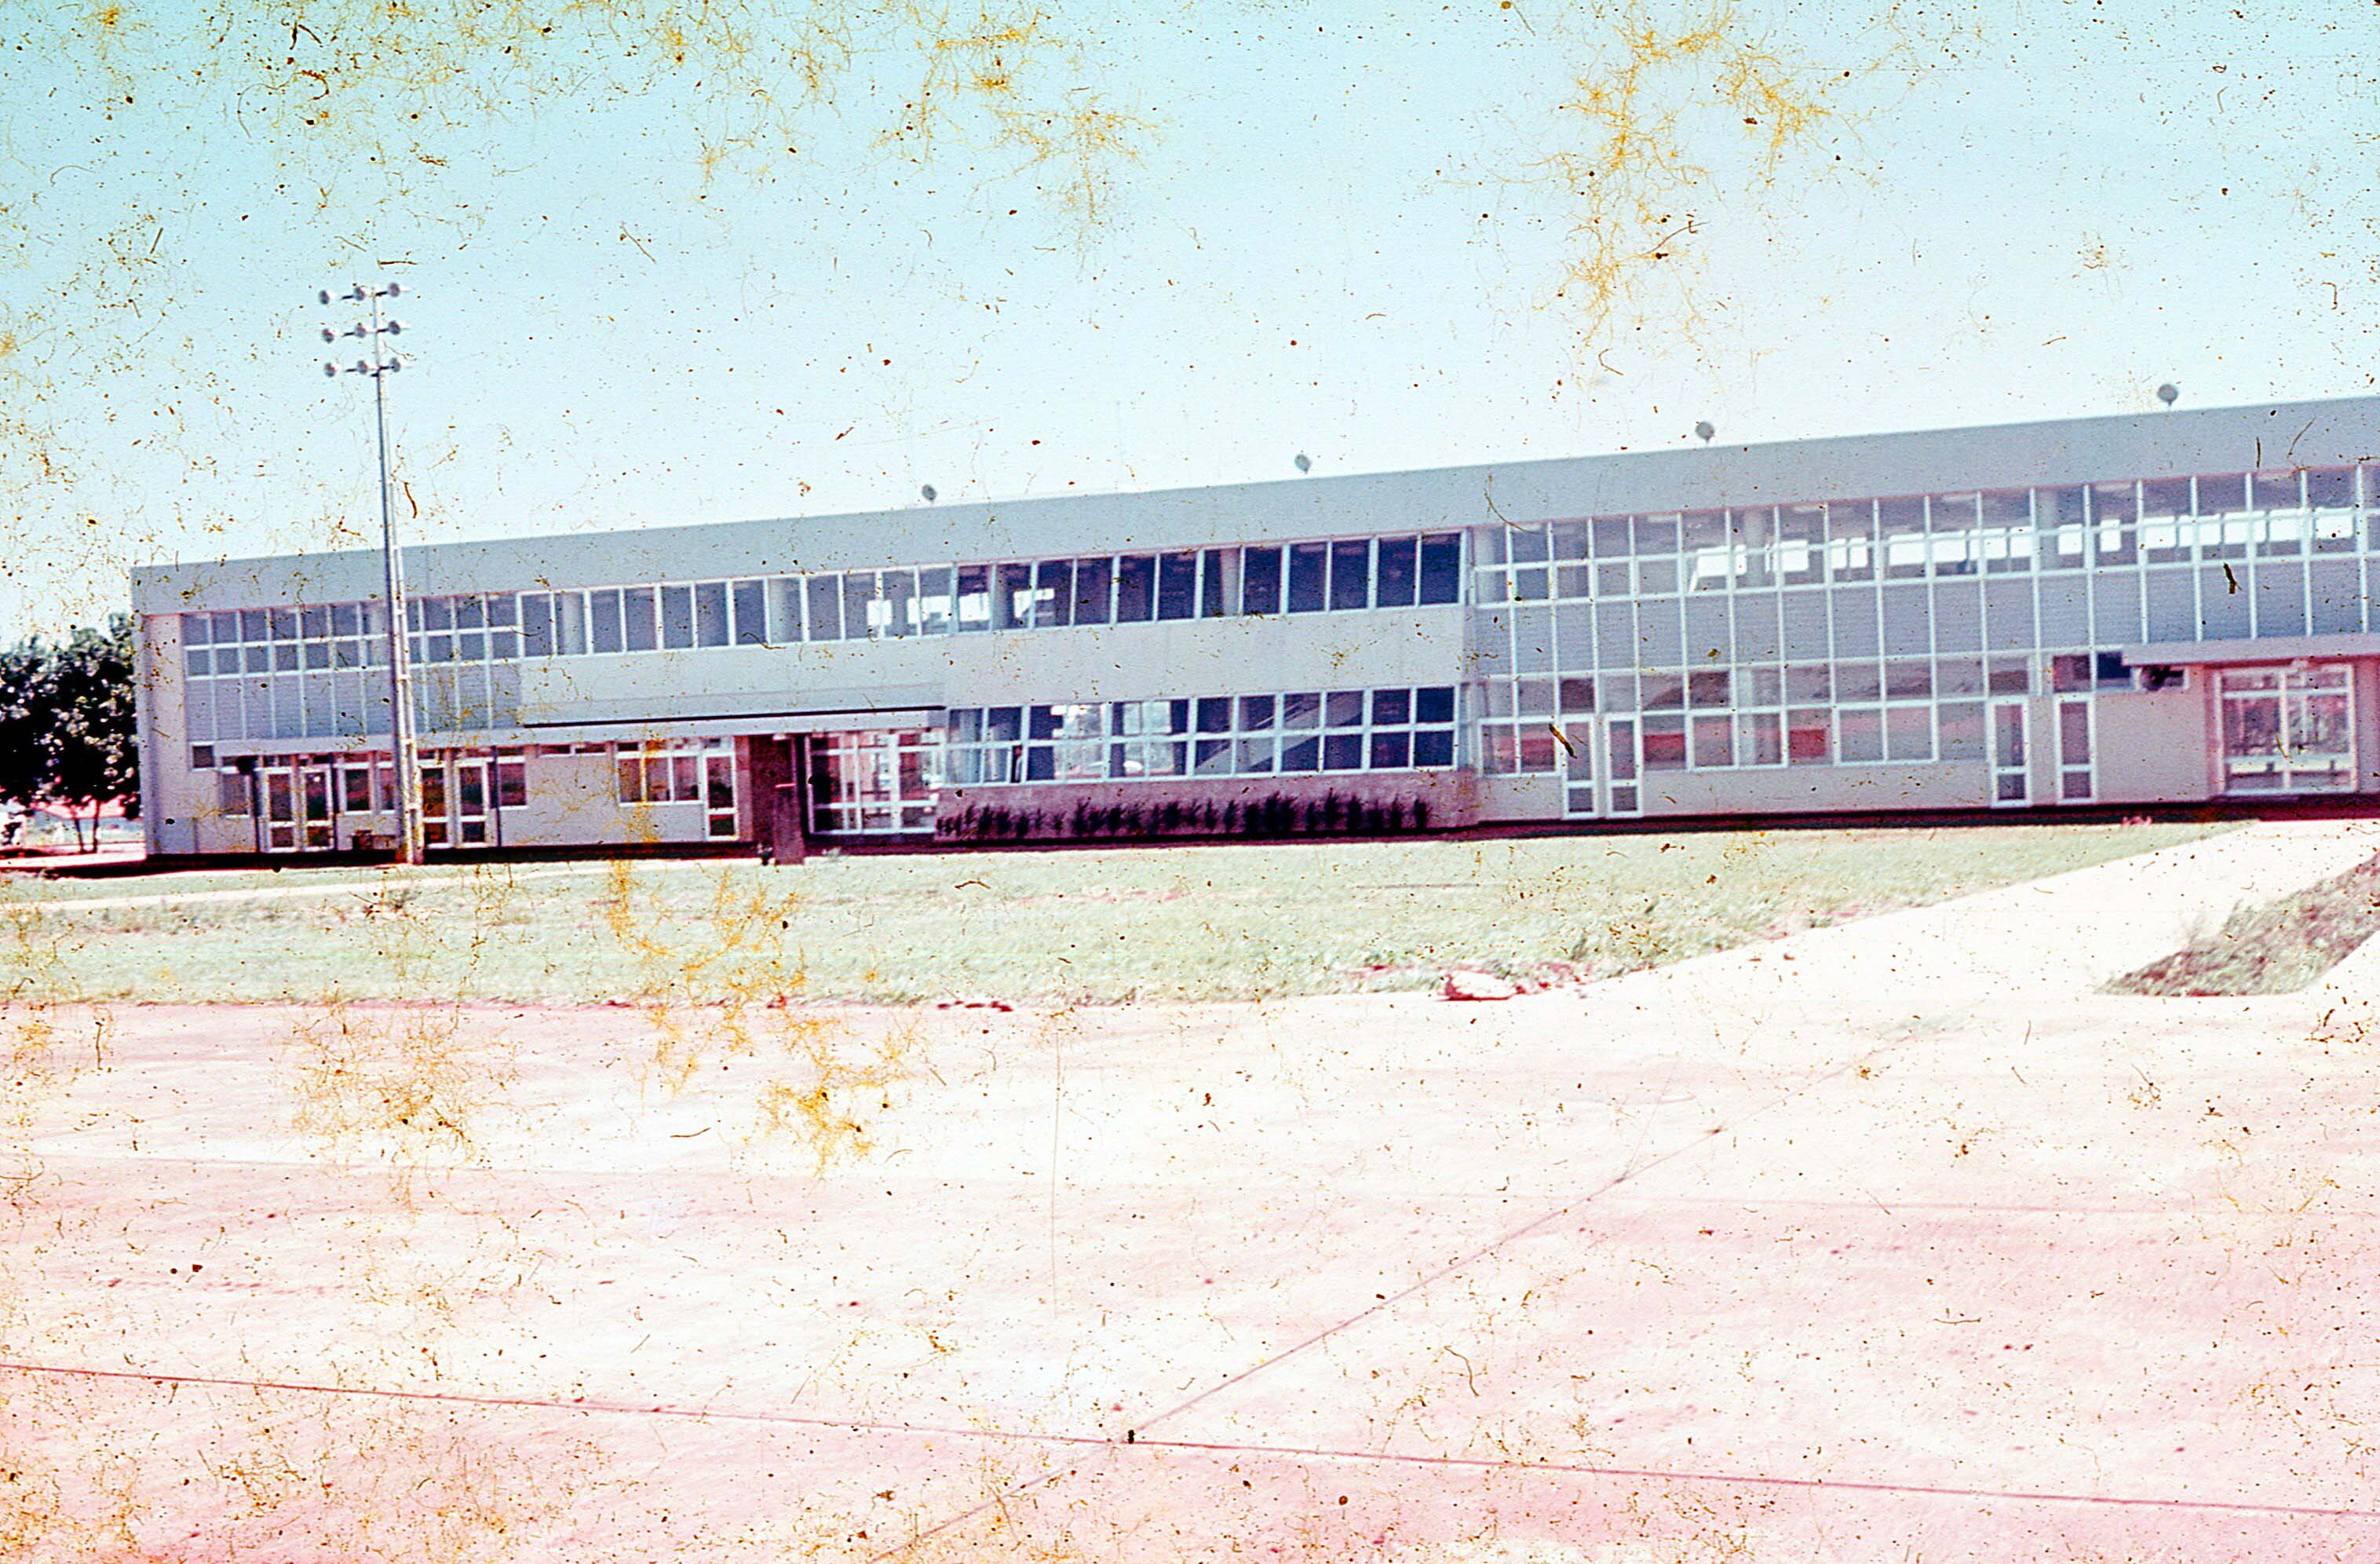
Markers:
point(2136, 610)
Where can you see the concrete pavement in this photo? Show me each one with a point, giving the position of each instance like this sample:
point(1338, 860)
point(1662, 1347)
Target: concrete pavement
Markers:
point(1890, 1241)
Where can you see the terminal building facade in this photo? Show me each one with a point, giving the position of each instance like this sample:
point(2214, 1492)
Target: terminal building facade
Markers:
point(2152, 610)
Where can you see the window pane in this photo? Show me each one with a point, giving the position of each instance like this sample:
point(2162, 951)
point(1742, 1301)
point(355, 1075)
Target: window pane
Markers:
point(1217, 567)
point(826, 608)
point(1806, 735)
point(1434, 747)
point(974, 591)
point(677, 617)
point(1664, 739)
point(2274, 491)
point(1177, 586)
point(1909, 733)
point(604, 610)
point(1391, 708)
point(1391, 751)
point(1762, 740)
point(2165, 497)
point(1309, 565)
point(1259, 581)
point(1053, 594)
point(537, 625)
point(1434, 704)
point(1442, 567)
point(710, 614)
point(2330, 486)
point(1011, 597)
point(1093, 584)
point(1343, 708)
point(751, 606)
point(858, 605)
point(935, 604)
point(1135, 588)
point(896, 611)
point(636, 622)
point(1256, 713)
point(1714, 741)
point(1859, 733)
point(1351, 574)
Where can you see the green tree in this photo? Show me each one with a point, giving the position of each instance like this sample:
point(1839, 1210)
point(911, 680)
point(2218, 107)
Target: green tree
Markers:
point(67, 734)
point(22, 701)
point(89, 752)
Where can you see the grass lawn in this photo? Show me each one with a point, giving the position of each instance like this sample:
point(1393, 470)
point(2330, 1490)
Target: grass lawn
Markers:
point(1184, 923)
point(2276, 949)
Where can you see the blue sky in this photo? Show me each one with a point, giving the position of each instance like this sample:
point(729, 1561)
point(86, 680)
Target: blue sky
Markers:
point(1328, 243)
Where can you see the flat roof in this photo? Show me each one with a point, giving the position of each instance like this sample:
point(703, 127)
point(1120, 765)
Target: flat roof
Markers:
point(2048, 453)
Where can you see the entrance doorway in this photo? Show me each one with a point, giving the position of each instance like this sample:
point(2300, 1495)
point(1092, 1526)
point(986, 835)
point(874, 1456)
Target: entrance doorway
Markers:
point(300, 807)
point(2288, 729)
point(455, 801)
point(875, 783)
point(2011, 776)
point(1622, 749)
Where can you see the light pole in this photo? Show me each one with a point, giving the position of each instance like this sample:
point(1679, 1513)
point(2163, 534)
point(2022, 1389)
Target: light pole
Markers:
point(380, 364)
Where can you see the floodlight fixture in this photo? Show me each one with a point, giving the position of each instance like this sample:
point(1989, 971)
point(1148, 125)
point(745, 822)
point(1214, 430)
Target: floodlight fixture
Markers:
point(380, 365)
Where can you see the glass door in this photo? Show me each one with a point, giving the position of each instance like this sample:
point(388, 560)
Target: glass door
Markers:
point(2011, 777)
point(434, 825)
point(719, 790)
point(280, 788)
point(455, 801)
point(319, 828)
point(874, 782)
point(469, 797)
point(2288, 730)
point(1622, 742)
point(2077, 780)
point(1578, 767)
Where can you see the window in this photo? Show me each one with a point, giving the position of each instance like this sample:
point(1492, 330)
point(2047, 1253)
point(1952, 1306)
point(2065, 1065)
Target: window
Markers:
point(1399, 561)
point(1135, 588)
point(677, 617)
point(1664, 739)
point(973, 590)
point(1217, 567)
point(638, 623)
point(1442, 567)
point(1094, 590)
point(749, 603)
point(859, 620)
point(1307, 565)
point(1351, 574)
point(710, 614)
point(1177, 586)
point(825, 595)
point(1260, 578)
point(1053, 594)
